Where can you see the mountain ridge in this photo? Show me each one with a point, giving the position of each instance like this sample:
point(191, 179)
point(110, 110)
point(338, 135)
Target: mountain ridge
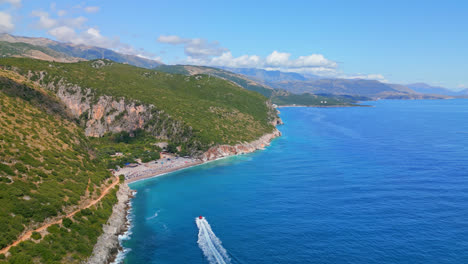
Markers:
point(79, 51)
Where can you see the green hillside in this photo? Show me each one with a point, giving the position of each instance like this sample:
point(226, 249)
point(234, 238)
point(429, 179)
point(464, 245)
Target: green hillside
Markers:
point(219, 111)
point(277, 96)
point(46, 171)
point(8, 49)
point(223, 74)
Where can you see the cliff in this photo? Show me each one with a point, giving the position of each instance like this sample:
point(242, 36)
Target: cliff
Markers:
point(194, 112)
point(103, 114)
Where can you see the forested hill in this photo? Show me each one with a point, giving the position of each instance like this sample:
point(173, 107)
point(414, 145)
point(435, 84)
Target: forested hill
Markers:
point(277, 96)
point(195, 112)
point(46, 171)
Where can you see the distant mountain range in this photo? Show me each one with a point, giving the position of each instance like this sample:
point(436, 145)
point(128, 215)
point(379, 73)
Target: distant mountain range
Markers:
point(272, 84)
point(428, 89)
point(269, 76)
point(47, 49)
point(277, 96)
point(298, 83)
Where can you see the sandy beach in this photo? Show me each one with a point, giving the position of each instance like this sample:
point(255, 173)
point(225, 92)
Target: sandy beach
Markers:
point(156, 168)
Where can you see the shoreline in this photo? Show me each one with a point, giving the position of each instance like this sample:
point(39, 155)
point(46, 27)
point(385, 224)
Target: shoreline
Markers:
point(109, 246)
point(324, 106)
point(152, 169)
point(163, 172)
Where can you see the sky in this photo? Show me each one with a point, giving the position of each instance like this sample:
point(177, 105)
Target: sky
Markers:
point(392, 41)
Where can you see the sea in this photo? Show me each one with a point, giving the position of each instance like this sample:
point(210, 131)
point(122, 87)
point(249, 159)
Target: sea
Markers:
point(380, 184)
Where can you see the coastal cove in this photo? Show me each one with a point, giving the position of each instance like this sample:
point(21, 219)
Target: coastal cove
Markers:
point(333, 189)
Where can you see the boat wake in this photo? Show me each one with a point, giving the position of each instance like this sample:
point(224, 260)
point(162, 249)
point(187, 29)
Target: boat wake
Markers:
point(154, 216)
point(210, 244)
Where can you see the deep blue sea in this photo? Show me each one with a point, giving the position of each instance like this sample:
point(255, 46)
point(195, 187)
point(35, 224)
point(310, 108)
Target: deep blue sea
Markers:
point(382, 184)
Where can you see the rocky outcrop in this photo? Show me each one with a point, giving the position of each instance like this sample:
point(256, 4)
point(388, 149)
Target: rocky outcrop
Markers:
point(228, 150)
point(108, 243)
point(221, 151)
point(100, 114)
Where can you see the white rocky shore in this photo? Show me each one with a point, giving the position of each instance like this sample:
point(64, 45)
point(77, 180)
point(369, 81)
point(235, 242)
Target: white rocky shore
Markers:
point(243, 148)
point(108, 244)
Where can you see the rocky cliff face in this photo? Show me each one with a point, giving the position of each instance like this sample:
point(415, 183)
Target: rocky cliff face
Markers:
point(227, 150)
point(100, 114)
point(108, 243)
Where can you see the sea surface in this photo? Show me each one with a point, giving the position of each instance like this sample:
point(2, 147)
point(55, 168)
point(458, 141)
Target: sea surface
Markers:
point(382, 184)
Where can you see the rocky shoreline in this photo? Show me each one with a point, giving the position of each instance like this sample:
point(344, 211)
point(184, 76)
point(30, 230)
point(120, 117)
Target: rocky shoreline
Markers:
point(222, 151)
point(108, 243)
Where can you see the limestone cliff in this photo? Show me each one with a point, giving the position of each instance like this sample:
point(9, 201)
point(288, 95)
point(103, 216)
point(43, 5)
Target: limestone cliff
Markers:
point(100, 114)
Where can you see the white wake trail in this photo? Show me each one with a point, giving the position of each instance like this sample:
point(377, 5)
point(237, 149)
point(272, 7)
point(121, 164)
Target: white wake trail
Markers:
point(210, 244)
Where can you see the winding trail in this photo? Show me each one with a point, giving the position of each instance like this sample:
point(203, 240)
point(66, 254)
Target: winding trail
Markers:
point(28, 234)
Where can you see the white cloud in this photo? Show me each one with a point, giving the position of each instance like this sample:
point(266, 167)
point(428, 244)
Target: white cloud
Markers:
point(45, 22)
point(227, 60)
point(74, 30)
point(91, 37)
point(174, 40)
point(91, 9)
point(6, 22)
point(16, 3)
point(378, 77)
point(196, 48)
point(282, 60)
point(76, 22)
point(203, 52)
point(313, 64)
point(63, 33)
point(277, 58)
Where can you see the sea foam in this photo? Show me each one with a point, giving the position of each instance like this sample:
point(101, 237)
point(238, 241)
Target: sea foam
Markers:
point(210, 244)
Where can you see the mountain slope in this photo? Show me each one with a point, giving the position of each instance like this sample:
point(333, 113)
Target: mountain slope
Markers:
point(277, 96)
point(429, 89)
point(220, 73)
point(357, 87)
point(20, 49)
point(270, 76)
point(67, 52)
point(196, 112)
point(46, 171)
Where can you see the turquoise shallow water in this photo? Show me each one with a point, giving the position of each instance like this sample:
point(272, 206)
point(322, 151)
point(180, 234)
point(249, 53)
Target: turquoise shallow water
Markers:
point(384, 184)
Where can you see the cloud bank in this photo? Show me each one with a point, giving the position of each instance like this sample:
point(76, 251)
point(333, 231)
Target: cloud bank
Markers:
point(75, 30)
point(202, 52)
point(7, 24)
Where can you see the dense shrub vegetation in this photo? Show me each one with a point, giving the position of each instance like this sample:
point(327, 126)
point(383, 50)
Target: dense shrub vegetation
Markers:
point(140, 146)
point(217, 110)
point(70, 242)
point(45, 165)
point(277, 96)
point(48, 166)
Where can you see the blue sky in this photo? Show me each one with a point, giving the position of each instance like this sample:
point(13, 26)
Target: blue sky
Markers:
point(395, 41)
